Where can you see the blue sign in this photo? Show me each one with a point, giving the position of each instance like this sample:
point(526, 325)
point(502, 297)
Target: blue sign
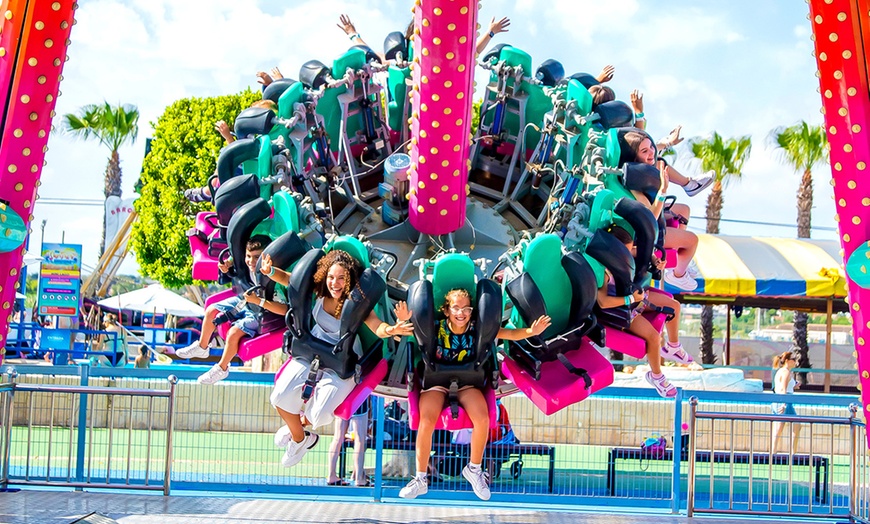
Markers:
point(60, 280)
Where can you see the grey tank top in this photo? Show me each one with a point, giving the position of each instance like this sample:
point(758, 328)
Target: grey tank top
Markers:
point(327, 327)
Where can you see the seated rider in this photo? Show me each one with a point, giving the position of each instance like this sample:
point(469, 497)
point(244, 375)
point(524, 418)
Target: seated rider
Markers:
point(639, 326)
point(456, 343)
point(673, 348)
point(245, 322)
point(337, 275)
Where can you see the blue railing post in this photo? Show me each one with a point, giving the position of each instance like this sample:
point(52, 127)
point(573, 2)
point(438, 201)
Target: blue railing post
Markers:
point(676, 495)
point(83, 426)
point(379, 446)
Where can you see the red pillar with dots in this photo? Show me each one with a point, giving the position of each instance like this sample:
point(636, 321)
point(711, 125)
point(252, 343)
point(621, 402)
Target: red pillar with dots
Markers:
point(33, 41)
point(839, 50)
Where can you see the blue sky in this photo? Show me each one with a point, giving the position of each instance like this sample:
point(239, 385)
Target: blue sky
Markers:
point(739, 67)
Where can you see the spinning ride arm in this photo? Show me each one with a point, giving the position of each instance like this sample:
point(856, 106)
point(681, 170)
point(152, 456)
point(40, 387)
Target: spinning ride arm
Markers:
point(32, 53)
point(841, 30)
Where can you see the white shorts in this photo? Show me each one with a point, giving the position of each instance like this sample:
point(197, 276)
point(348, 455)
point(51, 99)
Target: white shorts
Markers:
point(329, 392)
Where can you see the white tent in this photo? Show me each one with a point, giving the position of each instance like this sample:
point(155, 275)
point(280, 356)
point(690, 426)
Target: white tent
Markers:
point(154, 299)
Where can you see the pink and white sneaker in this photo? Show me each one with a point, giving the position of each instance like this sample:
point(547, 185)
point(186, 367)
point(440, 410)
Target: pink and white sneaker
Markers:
point(664, 388)
point(676, 353)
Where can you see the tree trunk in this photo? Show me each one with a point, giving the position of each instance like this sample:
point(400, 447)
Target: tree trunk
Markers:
point(801, 348)
point(708, 356)
point(715, 201)
point(714, 213)
point(804, 226)
point(805, 205)
point(111, 187)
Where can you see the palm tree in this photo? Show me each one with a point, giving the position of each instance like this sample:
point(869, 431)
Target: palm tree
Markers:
point(725, 159)
point(112, 127)
point(801, 147)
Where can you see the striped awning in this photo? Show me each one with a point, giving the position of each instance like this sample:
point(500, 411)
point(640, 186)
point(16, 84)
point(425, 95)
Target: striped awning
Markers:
point(768, 267)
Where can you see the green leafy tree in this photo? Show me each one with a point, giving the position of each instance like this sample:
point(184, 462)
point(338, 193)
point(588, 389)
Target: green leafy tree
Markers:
point(475, 115)
point(725, 159)
point(112, 126)
point(801, 147)
point(184, 154)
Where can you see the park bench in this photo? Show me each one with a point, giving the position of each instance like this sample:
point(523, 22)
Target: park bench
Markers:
point(495, 452)
point(818, 463)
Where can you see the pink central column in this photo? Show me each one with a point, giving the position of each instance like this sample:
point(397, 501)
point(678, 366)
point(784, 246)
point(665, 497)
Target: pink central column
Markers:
point(441, 101)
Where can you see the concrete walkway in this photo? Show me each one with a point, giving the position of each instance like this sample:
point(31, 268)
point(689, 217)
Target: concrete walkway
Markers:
point(63, 507)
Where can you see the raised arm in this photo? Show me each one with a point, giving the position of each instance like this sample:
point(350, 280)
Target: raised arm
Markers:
point(538, 326)
point(401, 328)
point(277, 274)
point(495, 28)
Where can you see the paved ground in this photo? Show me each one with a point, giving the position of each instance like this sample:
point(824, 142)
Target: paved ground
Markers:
point(62, 507)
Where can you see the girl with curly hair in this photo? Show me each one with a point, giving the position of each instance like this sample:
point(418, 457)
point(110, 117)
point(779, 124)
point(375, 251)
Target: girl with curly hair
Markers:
point(336, 276)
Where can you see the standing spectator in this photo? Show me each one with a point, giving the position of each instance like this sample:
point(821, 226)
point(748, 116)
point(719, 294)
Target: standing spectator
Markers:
point(784, 383)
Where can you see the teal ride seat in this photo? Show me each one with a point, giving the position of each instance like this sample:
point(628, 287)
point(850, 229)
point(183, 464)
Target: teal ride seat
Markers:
point(560, 367)
point(285, 214)
point(542, 260)
point(453, 271)
point(398, 90)
point(329, 107)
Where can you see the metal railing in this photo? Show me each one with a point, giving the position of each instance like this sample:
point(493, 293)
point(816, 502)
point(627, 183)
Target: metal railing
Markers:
point(87, 436)
point(223, 441)
point(748, 475)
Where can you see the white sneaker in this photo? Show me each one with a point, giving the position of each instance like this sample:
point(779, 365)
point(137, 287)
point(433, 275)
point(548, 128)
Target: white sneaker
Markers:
point(418, 486)
point(296, 450)
point(479, 481)
point(192, 351)
point(282, 436)
point(696, 185)
point(693, 270)
point(213, 375)
point(685, 282)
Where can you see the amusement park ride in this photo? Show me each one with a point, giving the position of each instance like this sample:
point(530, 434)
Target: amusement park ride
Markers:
point(518, 213)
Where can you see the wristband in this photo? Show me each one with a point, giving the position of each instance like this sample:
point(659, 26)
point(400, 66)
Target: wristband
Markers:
point(491, 34)
point(638, 115)
point(262, 302)
point(661, 198)
point(355, 35)
point(627, 300)
point(272, 271)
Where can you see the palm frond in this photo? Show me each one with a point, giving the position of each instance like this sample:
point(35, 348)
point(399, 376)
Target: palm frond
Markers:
point(801, 146)
point(111, 126)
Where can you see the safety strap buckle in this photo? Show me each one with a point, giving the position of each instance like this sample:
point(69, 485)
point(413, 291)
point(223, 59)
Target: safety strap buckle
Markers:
point(574, 370)
point(311, 381)
point(453, 398)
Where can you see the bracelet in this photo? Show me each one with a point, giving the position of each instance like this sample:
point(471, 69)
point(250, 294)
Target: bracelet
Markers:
point(355, 35)
point(627, 300)
point(262, 302)
point(638, 116)
point(272, 271)
point(661, 198)
point(491, 34)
